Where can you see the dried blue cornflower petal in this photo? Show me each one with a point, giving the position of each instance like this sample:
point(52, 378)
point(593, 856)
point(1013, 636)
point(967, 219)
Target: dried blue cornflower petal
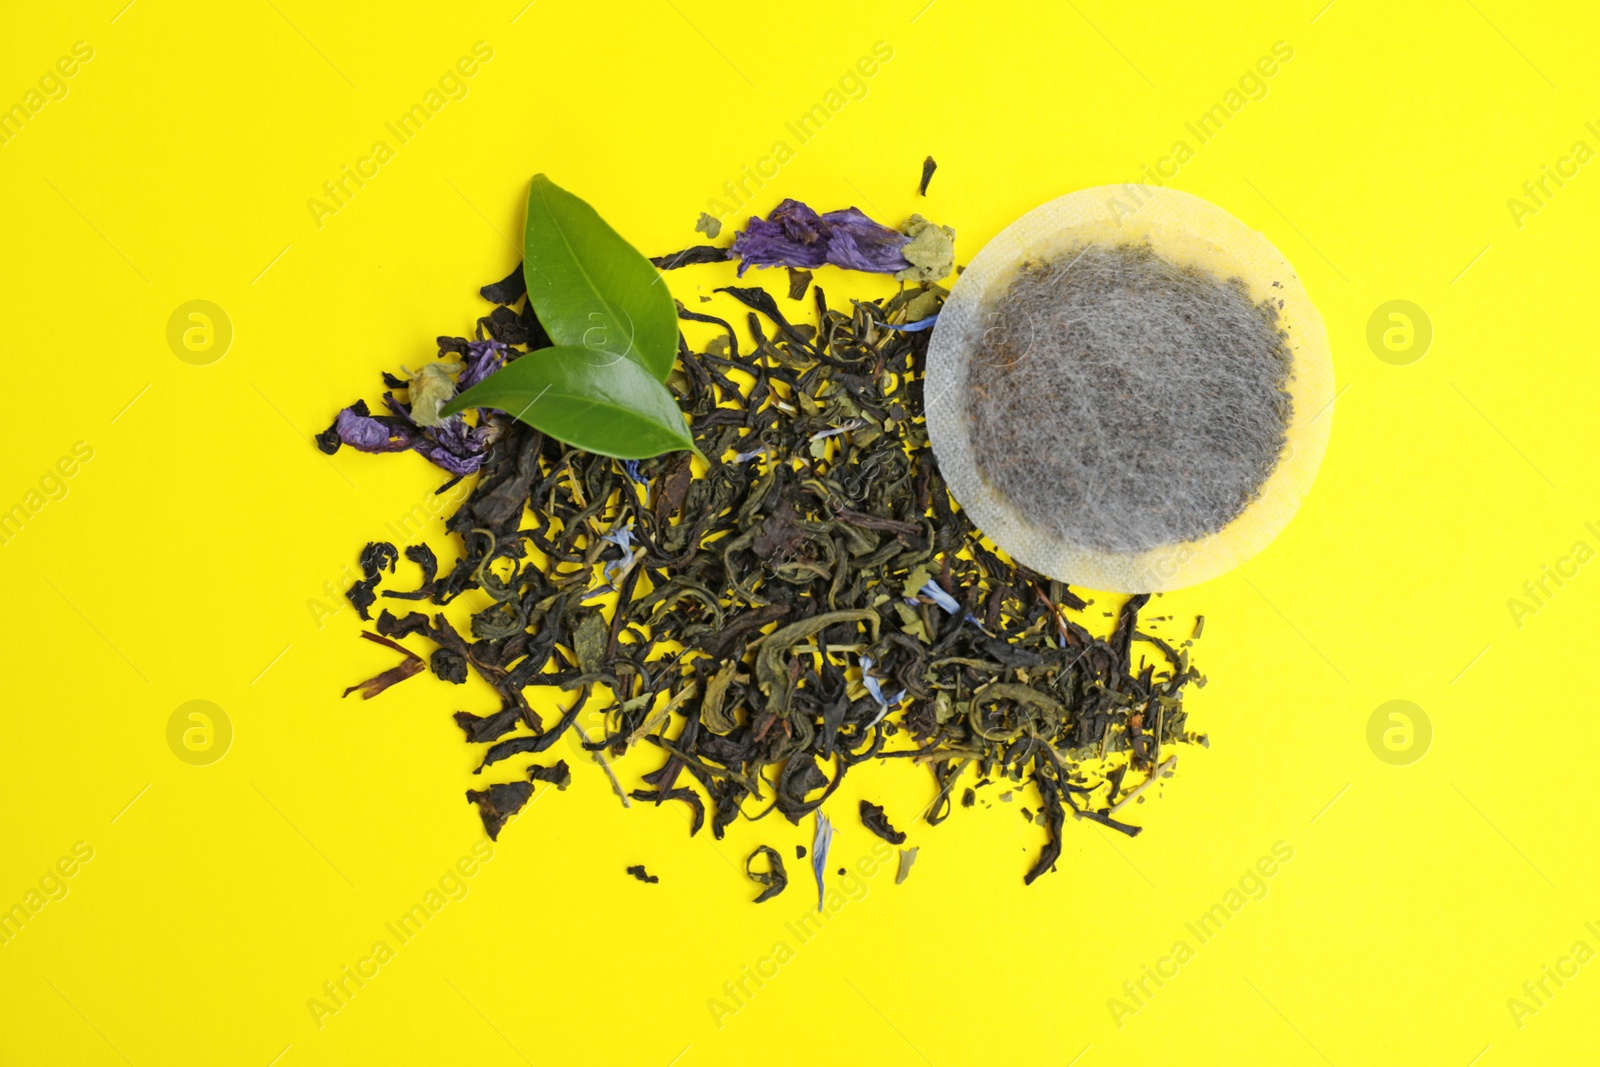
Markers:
point(622, 537)
point(850, 424)
point(912, 327)
point(875, 688)
point(819, 851)
point(630, 467)
point(933, 592)
point(793, 235)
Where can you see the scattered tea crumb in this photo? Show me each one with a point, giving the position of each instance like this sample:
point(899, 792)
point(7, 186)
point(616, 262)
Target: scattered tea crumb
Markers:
point(799, 852)
point(908, 856)
point(798, 281)
point(928, 167)
point(1005, 798)
point(1137, 792)
point(709, 225)
point(557, 774)
point(969, 798)
point(638, 871)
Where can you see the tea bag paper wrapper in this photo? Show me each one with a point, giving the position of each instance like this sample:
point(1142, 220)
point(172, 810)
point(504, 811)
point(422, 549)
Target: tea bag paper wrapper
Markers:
point(1184, 230)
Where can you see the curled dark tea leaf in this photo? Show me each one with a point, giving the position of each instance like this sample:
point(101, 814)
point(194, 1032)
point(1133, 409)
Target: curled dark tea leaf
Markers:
point(873, 818)
point(775, 878)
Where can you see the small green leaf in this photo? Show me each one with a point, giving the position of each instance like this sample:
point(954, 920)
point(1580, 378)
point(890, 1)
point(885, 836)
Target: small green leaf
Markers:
point(597, 401)
point(589, 287)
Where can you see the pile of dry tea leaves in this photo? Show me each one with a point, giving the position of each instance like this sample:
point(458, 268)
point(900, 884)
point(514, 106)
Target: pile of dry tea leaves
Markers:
point(811, 602)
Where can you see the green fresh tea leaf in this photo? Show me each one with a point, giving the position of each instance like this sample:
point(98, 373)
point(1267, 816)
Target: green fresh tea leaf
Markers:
point(597, 401)
point(592, 289)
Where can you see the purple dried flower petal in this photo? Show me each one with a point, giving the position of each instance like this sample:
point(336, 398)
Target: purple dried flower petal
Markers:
point(483, 359)
point(452, 445)
point(360, 429)
point(793, 235)
point(855, 242)
point(455, 446)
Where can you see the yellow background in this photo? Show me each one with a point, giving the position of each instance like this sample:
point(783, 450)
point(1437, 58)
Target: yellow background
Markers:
point(181, 563)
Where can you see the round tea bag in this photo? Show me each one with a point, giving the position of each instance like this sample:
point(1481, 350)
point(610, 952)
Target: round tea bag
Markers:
point(1160, 421)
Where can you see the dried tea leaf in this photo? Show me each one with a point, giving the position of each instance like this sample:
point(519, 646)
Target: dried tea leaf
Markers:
point(498, 803)
point(873, 818)
point(411, 666)
point(488, 727)
point(638, 871)
point(557, 774)
point(692, 256)
point(928, 167)
point(775, 878)
point(711, 711)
